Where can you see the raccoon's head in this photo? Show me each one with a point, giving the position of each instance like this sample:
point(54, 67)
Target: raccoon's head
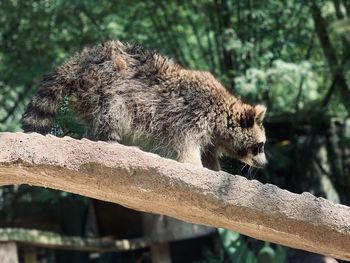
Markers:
point(245, 137)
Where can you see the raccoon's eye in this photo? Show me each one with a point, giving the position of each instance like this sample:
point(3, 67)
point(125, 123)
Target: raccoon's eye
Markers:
point(258, 148)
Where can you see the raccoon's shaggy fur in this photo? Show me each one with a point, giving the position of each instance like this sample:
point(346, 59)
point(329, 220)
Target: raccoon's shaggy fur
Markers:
point(134, 96)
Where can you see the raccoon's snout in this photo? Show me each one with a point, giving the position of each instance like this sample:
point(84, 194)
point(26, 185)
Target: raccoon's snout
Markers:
point(258, 157)
point(259, 160)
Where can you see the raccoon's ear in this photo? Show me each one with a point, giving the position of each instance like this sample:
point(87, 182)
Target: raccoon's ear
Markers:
point(260, 111)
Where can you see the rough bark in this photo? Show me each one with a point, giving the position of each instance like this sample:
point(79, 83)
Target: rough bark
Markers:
point(147, 182)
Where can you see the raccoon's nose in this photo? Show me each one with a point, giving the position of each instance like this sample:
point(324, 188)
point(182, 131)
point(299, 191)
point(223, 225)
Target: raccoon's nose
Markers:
point(258, 148)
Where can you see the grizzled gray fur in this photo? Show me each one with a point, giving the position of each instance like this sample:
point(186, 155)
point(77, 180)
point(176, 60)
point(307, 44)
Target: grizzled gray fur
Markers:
point(127, 94)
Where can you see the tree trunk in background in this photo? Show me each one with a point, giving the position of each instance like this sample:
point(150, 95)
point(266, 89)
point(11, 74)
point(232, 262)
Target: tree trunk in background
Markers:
point(224, 23)
point(339, 152)
point(330, 54)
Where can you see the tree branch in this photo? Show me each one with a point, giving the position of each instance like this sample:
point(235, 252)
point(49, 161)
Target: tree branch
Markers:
point(147, 182)
point(45, 239)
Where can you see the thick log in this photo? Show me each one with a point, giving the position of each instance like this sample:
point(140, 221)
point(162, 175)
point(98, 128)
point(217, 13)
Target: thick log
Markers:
point(147, 182)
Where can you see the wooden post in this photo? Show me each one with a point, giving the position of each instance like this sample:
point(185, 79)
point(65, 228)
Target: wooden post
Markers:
point(8, 253)
point(162, 230)
point(155, 230)
point(160, 253)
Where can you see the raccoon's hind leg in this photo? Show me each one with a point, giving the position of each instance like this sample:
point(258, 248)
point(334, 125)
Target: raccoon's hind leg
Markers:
point(108, 134)
point(190, 153)
point(111, 124)
point(105, 128)
point(210, 159)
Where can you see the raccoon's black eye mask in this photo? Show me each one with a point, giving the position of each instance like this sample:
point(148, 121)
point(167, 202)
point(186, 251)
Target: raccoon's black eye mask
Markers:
point(258, 148)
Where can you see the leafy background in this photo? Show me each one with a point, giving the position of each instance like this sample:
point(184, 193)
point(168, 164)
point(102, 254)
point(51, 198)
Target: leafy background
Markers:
point(291, 55)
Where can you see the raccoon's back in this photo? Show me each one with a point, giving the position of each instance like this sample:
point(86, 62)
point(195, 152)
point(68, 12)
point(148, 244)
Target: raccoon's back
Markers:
point(92, 77)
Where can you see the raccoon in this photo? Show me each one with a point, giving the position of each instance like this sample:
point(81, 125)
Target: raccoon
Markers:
point(127, 94)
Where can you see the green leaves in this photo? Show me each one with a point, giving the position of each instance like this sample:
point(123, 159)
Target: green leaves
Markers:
point(269, 255)
point(284, 84)
point(66, 123)
point(234, 248)
point(262, 50)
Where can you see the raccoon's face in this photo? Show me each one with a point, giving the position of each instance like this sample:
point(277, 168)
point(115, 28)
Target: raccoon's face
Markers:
point(247, 136)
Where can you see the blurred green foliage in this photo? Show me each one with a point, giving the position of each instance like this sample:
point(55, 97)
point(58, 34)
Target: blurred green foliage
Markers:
point(291, 55)
point(233, 247)
point(267, 51)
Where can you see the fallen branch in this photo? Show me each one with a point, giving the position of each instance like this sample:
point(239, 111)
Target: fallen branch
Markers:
point(147, 182)
point(45, 239)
